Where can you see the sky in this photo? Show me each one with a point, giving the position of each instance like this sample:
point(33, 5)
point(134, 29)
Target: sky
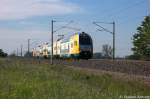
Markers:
point(31, 19)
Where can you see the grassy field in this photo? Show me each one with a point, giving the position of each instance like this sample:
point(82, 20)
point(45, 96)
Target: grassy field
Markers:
point(22, 80)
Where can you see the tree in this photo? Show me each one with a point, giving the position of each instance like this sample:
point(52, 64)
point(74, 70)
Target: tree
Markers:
point(107, 51)
point(12, 55)
point(28, 54)
point(2, 54)
point(97, 55)
point(141, 40)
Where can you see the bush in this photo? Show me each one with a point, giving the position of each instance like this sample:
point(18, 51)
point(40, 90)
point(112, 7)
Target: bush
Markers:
point(2, 54)
point(134, 57)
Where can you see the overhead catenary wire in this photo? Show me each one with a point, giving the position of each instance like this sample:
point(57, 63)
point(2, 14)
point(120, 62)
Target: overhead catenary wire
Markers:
point(102, 28)
point(122, 10)
point(52, 34)
point(113, 33)
point(62, 27)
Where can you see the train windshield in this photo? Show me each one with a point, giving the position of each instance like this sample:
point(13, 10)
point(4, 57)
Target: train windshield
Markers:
point(85, 40)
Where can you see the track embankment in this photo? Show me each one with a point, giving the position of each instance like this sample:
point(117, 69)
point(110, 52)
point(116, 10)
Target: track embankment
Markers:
point(123, 66)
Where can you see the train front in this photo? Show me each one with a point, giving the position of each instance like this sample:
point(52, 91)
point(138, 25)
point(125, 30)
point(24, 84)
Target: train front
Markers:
point(85, 46)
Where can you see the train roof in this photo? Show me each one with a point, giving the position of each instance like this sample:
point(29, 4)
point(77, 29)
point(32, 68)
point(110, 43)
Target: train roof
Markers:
point(66, 39)
point(79, 33)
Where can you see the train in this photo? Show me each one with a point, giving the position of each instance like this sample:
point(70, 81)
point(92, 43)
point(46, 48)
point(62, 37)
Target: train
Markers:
point(76, 46)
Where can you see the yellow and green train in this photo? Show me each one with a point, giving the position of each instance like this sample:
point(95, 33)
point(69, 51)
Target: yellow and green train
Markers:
point(78, 46)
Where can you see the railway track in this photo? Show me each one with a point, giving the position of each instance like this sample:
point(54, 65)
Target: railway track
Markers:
point(131, 67)
point(123, 66)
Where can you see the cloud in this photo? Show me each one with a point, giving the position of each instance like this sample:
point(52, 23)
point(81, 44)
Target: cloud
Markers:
point(20, 9)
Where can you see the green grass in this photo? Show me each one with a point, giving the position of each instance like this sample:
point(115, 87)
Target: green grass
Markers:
point(22, 80)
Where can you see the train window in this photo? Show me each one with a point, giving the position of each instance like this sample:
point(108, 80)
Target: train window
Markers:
point(75, 43)
point(84, 40)
point(71, 45)
point(65, 46)
point(44, 50)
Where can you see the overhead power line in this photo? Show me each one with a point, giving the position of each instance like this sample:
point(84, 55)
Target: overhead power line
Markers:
point(112, 32)
point(102, 28)
point(52, 34)
point(62, 27)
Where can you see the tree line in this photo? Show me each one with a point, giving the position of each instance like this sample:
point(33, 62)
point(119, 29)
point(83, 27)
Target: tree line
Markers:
point(3, 54)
